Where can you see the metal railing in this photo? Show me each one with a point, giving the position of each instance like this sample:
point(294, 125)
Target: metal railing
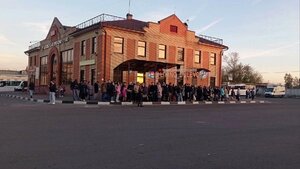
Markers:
point(213, 39)
point(36, 45)
point(100, 18)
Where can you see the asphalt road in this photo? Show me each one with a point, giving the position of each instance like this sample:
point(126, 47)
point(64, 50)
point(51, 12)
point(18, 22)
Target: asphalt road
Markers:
point(242, 136)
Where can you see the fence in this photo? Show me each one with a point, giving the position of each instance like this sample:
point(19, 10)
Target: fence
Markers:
point(292, 92)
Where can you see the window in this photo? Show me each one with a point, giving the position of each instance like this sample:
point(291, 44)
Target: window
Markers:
point(44, 60)
point(140, 78)
point(93, 76)
point(212, 81)
point(162, 51)
point(173, 28)
point(43, 70)
point(213, 58)
point(83, 45)
point(141, 48)
point(82, 74)
point(67, 66)
point(94, 44)
point(180, 55)
point(197, 56)
point(118, 45)
point(30, 61)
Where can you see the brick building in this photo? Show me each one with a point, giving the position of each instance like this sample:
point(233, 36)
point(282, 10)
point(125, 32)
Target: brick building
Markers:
point(125, 49)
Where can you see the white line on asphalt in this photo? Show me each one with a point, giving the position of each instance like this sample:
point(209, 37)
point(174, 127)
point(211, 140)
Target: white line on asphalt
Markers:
point(127, 103)
point(181, 103)
point(207, 102)
point(79, 102)
point(164, 103)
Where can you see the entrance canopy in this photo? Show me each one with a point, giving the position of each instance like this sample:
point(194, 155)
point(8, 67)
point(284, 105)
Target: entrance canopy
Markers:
point(144, 65)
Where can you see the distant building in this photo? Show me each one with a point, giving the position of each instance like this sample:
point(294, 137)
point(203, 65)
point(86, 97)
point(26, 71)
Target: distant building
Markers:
point(124, 49)
point(13, 75)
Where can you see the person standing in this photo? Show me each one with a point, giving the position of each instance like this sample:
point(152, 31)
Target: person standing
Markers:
point(52, 90)
point(238, 93)
point(31, 89)
point(103, 91)
point(252, 93)
point(159, 92)
point(75, 90)
point(139, 95)
point(96, 90)
point(222, 93)
point(124, 92)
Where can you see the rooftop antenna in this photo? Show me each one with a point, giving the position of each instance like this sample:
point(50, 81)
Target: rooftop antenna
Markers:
point(129, 6)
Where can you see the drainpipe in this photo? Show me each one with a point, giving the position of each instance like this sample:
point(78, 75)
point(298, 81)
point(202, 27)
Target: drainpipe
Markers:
point(104, 65)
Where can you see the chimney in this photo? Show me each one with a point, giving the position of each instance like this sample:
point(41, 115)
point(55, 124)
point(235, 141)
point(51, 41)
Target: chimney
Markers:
point(129, 16)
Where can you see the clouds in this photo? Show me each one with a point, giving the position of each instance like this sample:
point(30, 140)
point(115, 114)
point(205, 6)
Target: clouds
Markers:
point(255, 2)
point(273, 51)
point(42, 27)
point(12, 61)
point(6, 41)
point(208, 26)
point(157, 15)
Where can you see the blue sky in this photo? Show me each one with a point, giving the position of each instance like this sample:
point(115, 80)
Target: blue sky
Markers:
point(264, 32)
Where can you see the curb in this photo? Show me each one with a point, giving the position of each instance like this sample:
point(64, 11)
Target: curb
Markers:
point(131, 103)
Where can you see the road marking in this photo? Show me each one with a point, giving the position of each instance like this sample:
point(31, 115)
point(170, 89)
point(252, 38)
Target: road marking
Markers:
point(103, 103)
point(181, 103)
point(232, 102)
point(40, 101)
point(164, 103)
point(127, 103)
point(221, 102)
point(147, 103)
point(79, 102)
point(58, 101)
point(252, 101)
point(243, 102)
point(195, 102)
point(208, 102)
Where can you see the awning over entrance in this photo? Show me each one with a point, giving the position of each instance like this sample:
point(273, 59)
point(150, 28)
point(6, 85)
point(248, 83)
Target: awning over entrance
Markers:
point(144, 65)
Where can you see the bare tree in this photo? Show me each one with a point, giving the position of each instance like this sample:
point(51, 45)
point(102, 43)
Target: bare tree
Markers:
point(234, 71)
point(288, 79)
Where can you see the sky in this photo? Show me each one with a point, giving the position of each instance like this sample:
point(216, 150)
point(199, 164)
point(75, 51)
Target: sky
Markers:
point(265, 33)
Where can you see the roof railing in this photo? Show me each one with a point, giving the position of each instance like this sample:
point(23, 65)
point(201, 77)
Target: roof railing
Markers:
point(213, 39)
point(100, 18)
point(35, 45)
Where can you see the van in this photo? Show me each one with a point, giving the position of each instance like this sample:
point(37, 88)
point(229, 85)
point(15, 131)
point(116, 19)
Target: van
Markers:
point(22, 86)
point(275, 91)
point(235, 87)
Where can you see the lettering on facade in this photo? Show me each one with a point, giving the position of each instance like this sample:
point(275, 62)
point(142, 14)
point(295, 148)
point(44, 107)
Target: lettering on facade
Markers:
point(56, 43)
point(202, 74)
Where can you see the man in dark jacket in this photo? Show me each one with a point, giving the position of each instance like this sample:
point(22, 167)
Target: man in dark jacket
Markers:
point(31, 89)
point(52, 91)
point(96, 90)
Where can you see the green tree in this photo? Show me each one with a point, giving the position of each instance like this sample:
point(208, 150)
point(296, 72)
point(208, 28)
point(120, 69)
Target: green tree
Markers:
point(234, 71)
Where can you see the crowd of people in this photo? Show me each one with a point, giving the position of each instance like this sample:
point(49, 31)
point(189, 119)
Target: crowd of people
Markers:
point(134, 92)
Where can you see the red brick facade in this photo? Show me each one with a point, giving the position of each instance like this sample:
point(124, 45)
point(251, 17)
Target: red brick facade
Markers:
point(109, 64)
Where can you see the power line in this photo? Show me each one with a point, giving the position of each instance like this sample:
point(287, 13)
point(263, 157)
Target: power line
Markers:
point(282, 72)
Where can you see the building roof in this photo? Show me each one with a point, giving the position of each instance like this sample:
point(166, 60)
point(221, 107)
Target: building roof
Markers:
point(130, 24)
point(209, 42)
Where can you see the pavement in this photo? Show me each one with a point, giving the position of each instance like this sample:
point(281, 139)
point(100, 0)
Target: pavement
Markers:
point(219, 136)
point(68, 99)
